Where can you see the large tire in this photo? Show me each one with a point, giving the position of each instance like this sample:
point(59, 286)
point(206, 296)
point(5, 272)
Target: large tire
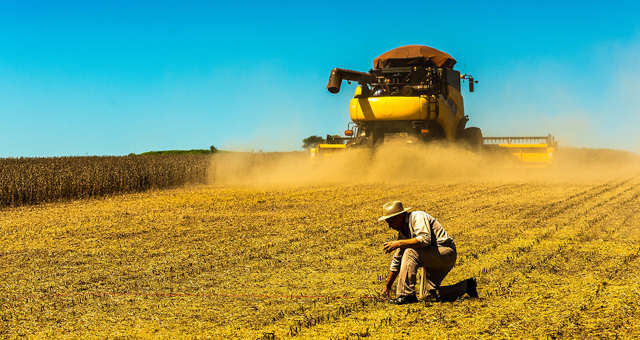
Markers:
point(473, 138)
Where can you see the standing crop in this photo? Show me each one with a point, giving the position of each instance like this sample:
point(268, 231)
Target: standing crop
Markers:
point(35, 180)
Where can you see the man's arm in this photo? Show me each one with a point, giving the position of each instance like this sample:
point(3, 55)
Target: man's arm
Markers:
point(387, 287)
point(403, 244)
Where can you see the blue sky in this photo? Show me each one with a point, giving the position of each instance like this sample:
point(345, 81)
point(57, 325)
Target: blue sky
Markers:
point(90, 78)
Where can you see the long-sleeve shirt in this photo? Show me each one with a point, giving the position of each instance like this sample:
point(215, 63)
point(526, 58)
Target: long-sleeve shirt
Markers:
point(426, 229)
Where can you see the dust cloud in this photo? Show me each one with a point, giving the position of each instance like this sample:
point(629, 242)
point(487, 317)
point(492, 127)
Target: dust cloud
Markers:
point(398, 163)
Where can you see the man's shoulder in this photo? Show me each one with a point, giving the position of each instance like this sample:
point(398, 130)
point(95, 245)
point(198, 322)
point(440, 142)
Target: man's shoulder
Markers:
point(420, 214)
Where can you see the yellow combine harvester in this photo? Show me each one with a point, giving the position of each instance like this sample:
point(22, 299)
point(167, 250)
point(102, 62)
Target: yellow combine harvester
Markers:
point(414, 94)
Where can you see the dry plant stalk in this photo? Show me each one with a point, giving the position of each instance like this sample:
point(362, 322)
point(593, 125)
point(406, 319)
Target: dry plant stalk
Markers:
point(35, 180)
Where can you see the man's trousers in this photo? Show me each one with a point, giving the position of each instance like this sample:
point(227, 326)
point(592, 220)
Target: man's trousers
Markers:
point(437, 261)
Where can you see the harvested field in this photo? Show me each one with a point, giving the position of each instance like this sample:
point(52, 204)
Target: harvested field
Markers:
point(556, 254)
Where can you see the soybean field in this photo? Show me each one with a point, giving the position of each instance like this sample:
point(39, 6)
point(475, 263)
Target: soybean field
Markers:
point(555, 255)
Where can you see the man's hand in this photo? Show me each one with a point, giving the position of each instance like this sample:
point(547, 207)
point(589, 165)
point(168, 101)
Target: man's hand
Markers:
point(391, 246)
point(385, 292)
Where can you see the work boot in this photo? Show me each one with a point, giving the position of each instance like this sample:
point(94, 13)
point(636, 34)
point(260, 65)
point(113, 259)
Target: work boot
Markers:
point(433, 296)
point(404, 299)
point(472, 286)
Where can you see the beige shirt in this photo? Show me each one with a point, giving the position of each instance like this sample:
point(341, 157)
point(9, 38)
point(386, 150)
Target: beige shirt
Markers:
point(426, 229)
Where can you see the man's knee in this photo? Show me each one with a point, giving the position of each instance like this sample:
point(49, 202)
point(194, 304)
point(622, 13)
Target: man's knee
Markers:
point(410, 254)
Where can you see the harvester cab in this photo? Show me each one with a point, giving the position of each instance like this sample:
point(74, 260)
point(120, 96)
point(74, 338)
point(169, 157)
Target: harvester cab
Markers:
point(412, 91)
point(412, 94)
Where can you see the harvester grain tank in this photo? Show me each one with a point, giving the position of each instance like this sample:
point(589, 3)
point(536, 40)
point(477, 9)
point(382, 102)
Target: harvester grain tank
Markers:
point(414, 94)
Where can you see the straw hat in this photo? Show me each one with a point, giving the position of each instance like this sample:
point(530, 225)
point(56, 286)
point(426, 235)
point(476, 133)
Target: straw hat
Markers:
point(391, 209)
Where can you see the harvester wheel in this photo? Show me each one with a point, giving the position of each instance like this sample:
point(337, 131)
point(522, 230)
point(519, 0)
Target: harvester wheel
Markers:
point(473, 137)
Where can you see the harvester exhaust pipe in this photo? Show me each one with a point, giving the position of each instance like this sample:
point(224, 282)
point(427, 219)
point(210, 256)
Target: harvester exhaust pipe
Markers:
point(339, 74)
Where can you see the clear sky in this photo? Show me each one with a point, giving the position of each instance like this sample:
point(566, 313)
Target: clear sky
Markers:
point(114, 77)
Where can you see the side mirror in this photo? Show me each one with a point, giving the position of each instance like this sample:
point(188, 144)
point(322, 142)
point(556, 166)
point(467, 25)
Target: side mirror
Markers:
point(472, 81)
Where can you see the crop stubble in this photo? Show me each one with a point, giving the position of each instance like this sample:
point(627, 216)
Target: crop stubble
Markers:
point(552, 258)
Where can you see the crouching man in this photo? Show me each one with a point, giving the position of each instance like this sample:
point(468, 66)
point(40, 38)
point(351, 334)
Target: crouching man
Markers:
point(422, 242)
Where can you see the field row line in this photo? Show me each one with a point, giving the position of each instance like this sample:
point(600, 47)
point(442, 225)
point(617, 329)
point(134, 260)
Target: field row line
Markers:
point(348, 308)
point(511, 262)
point(297, 326)
point(615, 268)
point(543, 233)
point(579, 197)
point(562, 248)
point(555, 208)
point(548, 212)
point(476, 210)
point(52, 296)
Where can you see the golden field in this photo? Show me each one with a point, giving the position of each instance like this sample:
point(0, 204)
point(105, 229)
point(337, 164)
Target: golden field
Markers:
point(288, 248)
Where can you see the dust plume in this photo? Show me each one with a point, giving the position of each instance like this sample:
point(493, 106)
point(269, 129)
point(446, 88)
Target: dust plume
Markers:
point(409, 163)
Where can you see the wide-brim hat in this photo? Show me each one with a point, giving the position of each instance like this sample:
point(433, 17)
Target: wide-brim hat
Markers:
point(391, 209)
